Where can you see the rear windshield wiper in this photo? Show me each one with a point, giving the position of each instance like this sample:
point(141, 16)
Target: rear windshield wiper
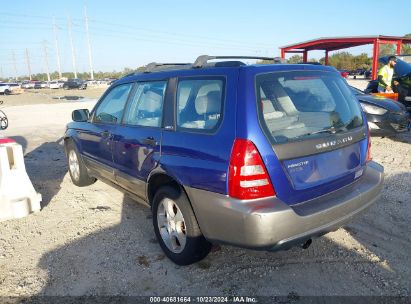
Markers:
point(330, 130)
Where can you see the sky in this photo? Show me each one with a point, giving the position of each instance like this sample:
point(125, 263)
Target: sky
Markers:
point(126, 33)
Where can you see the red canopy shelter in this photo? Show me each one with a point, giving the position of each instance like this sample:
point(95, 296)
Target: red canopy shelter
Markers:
point(338, 43)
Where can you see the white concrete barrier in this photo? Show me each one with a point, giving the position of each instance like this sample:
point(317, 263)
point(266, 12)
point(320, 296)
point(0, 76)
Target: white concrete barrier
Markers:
point(18, 198)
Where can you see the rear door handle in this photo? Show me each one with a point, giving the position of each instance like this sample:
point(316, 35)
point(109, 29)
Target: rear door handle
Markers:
point(105, 134)
point(150, 141)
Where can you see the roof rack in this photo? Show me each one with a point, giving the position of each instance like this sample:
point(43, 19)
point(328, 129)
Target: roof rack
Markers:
point(201, 62)
point(203, 59)
point(154, 66)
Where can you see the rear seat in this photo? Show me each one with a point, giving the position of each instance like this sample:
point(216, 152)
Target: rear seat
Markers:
point(279, 120)
point(208, 108)
point(291, 118)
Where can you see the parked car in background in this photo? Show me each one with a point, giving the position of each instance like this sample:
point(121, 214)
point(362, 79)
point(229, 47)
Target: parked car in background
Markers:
point(5, 89)
point(37, 85)
point(257, 156)
point(13, 86)
point(56, 84)
point(357, 72)
point(402, 74)
point(33, 84)
point(367, 73)
point(384, 116)
point(24, 85)
point(27, 85)
point(360, 71)
point(75, 84)
point(344, 73)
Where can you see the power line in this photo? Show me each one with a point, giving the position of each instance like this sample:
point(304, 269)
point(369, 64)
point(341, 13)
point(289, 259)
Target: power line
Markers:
point(166, 33)
point(73, 52)
point(15, 66)
point(89, 45)
point(133, 38)
point(33, 16)
point(28, 62)
point(25, 28)
point(46, 61)
point(177, 34)
point(132, 33)
point(57, 47)
point(167, 40)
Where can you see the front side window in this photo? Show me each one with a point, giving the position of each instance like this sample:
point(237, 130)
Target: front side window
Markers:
point(299, 104)
point(146, 106)
point(199, 103)
point(110, 110)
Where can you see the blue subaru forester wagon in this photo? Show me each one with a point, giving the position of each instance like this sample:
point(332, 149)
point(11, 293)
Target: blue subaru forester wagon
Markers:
point(257, 156)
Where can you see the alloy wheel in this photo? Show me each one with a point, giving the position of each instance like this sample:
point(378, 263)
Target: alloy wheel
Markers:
point(171, 225)
point(74, 165)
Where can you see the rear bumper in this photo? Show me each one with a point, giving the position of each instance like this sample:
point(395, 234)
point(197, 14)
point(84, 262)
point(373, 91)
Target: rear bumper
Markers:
point(270, 224)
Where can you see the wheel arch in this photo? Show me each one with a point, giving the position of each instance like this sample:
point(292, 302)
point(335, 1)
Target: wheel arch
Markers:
point(72, 135)
point(158, 180)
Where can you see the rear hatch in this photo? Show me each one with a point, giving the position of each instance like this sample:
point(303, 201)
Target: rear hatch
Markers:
point(316, 129)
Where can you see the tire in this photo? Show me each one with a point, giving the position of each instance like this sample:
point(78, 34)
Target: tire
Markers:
point(4, 122)
point(176, 227)
point(77, 169)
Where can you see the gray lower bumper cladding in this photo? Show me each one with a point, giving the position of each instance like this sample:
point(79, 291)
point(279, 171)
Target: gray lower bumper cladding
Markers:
point(270, 224)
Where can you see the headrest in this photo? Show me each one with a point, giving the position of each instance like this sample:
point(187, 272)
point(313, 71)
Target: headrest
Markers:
point(152, 102)
point(209, 103)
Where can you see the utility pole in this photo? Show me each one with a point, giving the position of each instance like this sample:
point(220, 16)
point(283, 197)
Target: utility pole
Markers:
point(89, 46)
point(28, 62)
point(15, 66)
point(57, 46)
point(46, 60)
point(73, 52)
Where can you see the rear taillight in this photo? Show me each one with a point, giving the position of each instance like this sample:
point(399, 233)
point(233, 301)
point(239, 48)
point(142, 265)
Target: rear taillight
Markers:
point(247, 176)
point(369, 147)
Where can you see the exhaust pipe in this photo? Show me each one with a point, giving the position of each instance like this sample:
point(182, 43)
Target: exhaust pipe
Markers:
point(307, 244)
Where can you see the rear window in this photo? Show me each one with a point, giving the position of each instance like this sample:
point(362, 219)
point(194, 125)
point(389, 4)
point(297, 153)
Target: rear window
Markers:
point(300, 104)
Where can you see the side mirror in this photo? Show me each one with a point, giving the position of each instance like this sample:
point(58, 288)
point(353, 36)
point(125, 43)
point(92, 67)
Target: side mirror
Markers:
point(81, 115)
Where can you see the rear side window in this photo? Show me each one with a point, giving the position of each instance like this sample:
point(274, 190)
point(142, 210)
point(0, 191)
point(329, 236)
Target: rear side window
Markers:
point(146, 106)
point(300, 104)
point(199, 103)
point(110, 110)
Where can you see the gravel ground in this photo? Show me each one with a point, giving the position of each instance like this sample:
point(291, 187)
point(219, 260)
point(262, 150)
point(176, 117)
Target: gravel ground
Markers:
point(96, 241)
point(50, 96)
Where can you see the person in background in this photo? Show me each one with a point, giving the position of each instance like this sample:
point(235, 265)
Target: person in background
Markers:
point(385, 75)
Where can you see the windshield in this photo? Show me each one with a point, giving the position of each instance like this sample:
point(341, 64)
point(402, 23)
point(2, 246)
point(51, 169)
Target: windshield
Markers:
point(300, 104)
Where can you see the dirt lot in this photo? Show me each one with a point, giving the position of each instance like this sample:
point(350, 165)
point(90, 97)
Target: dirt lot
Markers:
point(50, 96)
point(93, 240)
